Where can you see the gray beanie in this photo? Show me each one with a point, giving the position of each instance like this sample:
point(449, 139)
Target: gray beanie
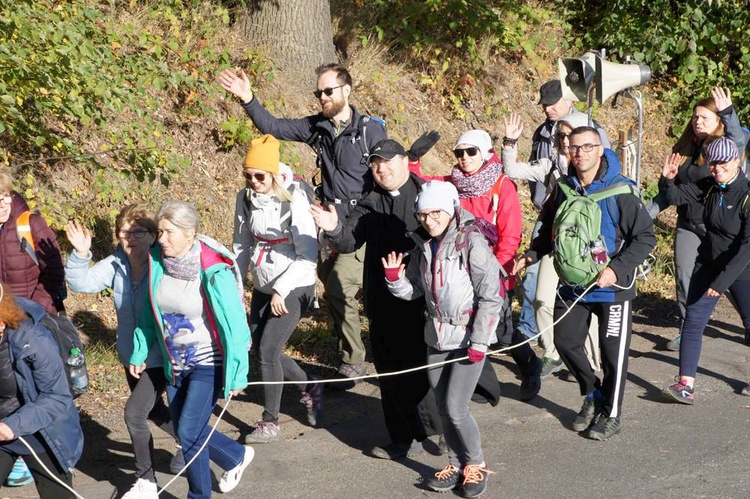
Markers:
point(436, 195)
point(479, 139)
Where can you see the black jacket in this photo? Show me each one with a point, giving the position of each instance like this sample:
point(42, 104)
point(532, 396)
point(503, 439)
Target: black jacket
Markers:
point(633, 234)
point(383, 221)
point(345, 171)
point(726, 246)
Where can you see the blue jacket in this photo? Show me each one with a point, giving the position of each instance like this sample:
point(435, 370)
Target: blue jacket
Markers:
point(628, 232)
point(114, 272)
point(48, 409)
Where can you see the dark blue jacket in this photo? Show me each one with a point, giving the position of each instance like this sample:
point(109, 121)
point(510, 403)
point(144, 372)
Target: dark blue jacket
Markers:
point(629, 233)
point(47, 406)
point(345, 170)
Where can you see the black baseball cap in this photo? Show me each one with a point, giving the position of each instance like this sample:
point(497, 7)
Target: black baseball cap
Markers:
point(550, 93)
point(387, 149)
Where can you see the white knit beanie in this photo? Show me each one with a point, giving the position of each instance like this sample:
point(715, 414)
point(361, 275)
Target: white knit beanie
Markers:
point(479, 139)
point(436, 195)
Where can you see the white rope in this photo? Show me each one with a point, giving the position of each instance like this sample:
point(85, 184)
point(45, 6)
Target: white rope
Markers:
point(52, 475)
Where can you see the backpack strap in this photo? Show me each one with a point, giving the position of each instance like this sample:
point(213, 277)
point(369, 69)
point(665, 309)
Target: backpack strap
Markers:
point(23, 228)
point(362, 134)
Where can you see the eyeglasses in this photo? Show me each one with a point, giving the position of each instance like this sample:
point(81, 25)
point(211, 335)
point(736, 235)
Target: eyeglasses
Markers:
point(328, 91)
point(471, 151)
point(563, 135)
point(432, 214)
point(6, 198)
point(260, 177)
point(583, 147)
point(136, 233)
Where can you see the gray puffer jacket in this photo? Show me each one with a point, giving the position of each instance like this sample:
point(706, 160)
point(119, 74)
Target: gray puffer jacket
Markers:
point(464, 299)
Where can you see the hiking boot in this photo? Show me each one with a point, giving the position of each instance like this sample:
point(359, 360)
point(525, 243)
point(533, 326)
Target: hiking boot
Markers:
point(679, 392)
point(312, 399)
point(177, 462)
point(550, 366)
point(442, 446)
point(475, 480)
point(445, 479)
point(604, 428)
point(746, 390)
point(674, 343)
point(397, 450)
point(142, 489)
point(586, 415)
point(347, 371)
point(264, 432)
point(19, 475)
point(231, 478)
point(531, 384)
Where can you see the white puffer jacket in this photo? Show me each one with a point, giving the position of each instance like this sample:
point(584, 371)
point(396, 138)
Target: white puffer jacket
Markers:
point(463, 301)
point(281, 253)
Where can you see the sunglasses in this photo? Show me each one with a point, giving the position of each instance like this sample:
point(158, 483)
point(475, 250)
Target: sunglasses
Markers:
point(328, 91)
point(471, 151)
point(260, 177)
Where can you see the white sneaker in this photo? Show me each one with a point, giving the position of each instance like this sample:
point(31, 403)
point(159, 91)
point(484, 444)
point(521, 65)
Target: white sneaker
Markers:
point(231, 478)
point(177, 462)
point(143, 489)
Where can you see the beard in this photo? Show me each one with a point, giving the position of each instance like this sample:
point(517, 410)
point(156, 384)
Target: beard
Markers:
point(335, 108)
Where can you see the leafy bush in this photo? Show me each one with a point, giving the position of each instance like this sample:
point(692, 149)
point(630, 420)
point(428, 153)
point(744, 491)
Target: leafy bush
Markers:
point(691, 45)
point(451, 41)
point(103, 86)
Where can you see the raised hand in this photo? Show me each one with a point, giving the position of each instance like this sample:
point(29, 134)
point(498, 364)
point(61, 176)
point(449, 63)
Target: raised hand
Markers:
point(79, 237)
point(513, 125)
point(393, 265)
point(236, 83)
point(671, 165)
point(722, 98)
point(326, 219)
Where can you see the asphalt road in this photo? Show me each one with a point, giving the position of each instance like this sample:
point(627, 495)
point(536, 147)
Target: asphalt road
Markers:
point(666, 450)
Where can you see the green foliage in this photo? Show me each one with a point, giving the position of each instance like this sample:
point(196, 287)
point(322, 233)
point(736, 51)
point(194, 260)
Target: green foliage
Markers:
point(451, 41)
point(106, 87)
point(691, 45)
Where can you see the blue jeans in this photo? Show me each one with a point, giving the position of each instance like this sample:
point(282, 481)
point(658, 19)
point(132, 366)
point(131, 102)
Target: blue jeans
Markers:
point(698, 313)
point(191, 405)
point(527, 319)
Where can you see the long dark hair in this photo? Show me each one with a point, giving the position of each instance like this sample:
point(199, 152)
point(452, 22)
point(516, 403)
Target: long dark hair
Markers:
point(688, 143)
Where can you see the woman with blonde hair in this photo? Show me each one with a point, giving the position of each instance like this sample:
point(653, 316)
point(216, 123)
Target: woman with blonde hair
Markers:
point(276, 238)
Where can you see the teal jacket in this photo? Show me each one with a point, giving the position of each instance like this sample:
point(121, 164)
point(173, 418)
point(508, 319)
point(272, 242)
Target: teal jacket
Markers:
point(226, 314)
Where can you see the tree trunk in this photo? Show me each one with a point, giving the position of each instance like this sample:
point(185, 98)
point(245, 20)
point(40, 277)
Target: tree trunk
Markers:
point(296, 34)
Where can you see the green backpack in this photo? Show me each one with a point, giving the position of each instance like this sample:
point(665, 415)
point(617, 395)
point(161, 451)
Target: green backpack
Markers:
point(580, 252)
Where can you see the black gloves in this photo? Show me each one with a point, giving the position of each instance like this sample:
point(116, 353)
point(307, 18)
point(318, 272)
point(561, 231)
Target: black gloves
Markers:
point(423, 144)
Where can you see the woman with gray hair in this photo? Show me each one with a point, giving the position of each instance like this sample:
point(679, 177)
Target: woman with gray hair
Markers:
point(196, 314)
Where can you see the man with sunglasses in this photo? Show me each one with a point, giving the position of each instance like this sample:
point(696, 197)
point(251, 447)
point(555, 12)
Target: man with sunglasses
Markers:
point(342, 138)
point(381, 223)
point(628, 233)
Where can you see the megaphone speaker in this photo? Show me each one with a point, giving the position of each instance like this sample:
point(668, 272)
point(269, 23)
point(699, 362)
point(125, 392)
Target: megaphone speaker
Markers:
point(576, 76)
point(611, 77)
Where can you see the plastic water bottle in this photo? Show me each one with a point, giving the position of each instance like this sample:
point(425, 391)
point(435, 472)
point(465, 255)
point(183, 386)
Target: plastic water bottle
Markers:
point(599, 251)
point(79, 378)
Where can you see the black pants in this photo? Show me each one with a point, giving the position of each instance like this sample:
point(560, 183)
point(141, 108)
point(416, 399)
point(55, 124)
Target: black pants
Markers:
point(615, 328)
point(507, 335)
point(46, 486)
point(397, 337)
